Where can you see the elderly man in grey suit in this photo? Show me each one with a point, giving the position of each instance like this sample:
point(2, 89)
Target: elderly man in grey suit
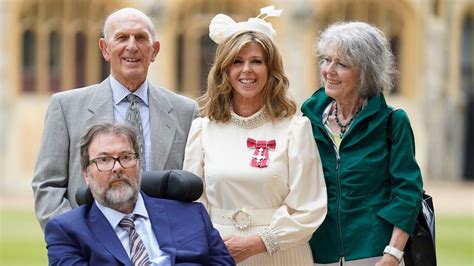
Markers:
point(129, 45)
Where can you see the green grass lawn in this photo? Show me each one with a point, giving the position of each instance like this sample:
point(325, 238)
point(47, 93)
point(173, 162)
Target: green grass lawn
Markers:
point(455, 240)
point(22, 240)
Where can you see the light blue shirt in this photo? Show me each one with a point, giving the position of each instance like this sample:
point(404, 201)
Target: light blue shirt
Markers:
point(143, 228)
point(119, 96)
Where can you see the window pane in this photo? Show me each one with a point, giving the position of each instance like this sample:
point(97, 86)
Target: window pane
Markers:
point(29, 62)
point(467, 85)
point(54, 62)
point(80, 59)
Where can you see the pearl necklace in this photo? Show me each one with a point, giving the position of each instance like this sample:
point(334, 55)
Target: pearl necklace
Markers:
point(252, 121)
point(341, 126)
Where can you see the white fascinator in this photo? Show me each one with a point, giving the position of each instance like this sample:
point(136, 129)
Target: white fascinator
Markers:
point(222, 26)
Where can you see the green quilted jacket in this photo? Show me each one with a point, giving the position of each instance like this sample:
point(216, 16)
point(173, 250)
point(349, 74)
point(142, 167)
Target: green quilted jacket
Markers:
point(368, 192)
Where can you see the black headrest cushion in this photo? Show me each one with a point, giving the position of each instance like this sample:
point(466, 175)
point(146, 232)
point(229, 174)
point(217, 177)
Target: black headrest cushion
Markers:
point(167, 184)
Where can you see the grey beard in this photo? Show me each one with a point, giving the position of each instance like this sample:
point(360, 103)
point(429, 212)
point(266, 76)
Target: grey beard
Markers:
point(121, 198)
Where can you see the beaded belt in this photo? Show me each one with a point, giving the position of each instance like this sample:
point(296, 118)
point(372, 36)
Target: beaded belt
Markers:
point(242, 218)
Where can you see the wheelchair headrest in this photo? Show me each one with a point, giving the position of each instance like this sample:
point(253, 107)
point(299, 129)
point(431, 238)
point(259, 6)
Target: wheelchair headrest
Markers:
point(167, 184)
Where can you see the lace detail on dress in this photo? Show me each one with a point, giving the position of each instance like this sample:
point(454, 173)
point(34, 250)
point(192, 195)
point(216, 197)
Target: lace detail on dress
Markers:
point(252, 121)
point(269, 241)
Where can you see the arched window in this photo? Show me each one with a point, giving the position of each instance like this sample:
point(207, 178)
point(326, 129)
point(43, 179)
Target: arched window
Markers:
point(80, 59)
point(29, 62)
point(54, 62)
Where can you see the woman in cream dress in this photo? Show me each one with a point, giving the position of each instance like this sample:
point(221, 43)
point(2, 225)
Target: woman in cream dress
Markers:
point(263, 180)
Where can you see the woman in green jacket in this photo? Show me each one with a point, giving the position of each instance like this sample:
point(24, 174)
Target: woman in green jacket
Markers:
point(374, 194)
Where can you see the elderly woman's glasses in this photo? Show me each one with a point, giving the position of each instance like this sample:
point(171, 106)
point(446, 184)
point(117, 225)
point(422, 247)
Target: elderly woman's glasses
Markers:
point(105, 164)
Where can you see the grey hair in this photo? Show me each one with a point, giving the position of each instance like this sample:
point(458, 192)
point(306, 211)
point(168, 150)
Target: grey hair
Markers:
point(365, 47)
point(104, 128)
point(151, 27)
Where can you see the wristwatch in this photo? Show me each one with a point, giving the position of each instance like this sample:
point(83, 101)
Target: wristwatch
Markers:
point(394, 252)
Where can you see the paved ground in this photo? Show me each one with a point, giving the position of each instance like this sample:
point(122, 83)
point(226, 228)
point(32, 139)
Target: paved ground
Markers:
point(456, 198)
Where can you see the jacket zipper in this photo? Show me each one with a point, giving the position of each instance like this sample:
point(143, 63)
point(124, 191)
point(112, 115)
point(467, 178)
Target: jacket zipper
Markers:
point(338, 218)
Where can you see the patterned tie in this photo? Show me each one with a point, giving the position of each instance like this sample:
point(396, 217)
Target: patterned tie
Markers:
point(133, 119)
point(138, 253)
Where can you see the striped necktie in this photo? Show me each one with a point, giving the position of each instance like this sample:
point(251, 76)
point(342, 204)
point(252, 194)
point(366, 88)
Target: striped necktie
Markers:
point(133, 119)
point(138, 253)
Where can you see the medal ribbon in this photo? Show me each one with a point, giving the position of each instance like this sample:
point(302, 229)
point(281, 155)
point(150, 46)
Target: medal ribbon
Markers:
point(260, 157)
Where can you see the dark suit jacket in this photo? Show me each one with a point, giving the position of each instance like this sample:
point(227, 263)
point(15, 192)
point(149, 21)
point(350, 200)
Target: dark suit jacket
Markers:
point(58, 172)
point(83, 236)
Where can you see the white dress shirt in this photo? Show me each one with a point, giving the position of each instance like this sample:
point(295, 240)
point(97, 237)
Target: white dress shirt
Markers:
point(143, 228)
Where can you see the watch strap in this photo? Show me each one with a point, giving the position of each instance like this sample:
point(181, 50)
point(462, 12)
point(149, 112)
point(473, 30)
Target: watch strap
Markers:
point(394, 252)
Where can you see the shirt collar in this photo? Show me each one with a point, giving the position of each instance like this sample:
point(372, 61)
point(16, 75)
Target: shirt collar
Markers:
point(114, 217)
point(326, 114)
point(119, 92)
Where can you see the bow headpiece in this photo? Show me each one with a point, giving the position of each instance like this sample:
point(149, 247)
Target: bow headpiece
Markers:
point(222, 26)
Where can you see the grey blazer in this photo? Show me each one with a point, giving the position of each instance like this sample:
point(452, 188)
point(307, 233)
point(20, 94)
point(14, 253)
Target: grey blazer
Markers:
point(58, 172)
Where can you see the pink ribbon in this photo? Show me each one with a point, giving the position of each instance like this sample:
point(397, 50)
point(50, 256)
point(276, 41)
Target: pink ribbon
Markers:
point(260, 157)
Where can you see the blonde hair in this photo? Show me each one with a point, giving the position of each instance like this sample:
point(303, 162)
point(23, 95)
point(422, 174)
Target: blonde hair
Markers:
point(216, 102)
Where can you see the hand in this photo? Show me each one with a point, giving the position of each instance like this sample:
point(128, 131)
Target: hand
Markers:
point(387, 260)
point(399, 239)
point(242, 248)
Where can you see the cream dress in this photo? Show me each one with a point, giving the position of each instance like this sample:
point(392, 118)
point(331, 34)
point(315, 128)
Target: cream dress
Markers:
point(284, 202)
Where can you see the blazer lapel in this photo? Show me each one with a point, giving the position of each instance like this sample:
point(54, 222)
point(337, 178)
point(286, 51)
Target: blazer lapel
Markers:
point(161, 226)
point(163, 128)
point(101, 107)
point(106, 235)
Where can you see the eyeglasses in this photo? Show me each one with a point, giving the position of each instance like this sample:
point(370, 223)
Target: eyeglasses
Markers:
point(105, 164)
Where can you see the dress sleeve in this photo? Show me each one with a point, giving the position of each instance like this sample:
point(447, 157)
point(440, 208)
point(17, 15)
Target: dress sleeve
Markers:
point(407, 184)
point(305, 207)
point(194, 156)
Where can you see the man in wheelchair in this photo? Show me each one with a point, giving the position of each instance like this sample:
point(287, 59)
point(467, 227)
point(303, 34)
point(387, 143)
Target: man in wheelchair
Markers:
point(122, 224)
